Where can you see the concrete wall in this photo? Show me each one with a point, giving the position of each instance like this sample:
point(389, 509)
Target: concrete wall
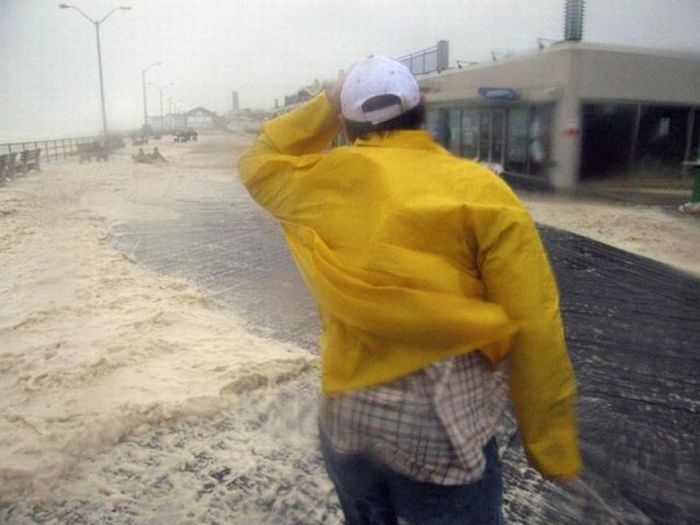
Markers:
point(635, 76)
point(536, 77)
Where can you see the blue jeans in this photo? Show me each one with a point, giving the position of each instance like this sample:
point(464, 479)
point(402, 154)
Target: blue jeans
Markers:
point(372, 494)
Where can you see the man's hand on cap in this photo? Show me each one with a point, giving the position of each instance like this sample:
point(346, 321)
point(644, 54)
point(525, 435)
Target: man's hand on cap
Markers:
point(333, 94)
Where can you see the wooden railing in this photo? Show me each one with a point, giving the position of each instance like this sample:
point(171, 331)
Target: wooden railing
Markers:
point(53, 150)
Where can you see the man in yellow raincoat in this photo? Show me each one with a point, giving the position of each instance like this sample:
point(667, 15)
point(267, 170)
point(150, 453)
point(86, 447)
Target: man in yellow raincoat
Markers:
point(436, 300)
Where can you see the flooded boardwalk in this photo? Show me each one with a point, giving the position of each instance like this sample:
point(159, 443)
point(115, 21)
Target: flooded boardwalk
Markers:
point(632, 328)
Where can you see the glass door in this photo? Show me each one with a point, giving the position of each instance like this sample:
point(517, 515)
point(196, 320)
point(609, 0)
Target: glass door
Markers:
point(486, 131)
point(516, 149)
point(470, 133)
point(455, 131)
point(498, 136)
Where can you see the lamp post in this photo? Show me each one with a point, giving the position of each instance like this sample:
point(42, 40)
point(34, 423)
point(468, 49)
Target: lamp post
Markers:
point(160, 89)
point(171, 111)
point(143, 84)
point(99, 56)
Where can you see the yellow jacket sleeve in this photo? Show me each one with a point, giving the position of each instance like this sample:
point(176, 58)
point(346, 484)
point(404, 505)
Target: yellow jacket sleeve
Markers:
point(517, 275)
point(287, 147)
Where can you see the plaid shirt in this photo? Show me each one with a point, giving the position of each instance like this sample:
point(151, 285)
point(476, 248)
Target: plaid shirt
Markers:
point(430, 426)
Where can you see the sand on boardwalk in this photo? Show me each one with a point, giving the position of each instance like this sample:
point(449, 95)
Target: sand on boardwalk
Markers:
point(93, 346)
point(656, 232)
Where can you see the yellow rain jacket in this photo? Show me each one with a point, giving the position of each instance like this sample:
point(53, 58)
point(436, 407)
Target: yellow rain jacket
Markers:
point(414, 255)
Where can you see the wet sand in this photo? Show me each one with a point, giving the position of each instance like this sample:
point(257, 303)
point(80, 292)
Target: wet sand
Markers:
point(247, 454)
point(659, 231)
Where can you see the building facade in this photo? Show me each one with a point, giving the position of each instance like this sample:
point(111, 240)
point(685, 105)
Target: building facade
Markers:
point(572, 112)
point(200, 118)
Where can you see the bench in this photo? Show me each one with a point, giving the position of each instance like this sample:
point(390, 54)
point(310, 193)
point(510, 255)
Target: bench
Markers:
point(7, 165)
point(115, 142)
point(185, 136)
point(29, 160)
point(93, 149)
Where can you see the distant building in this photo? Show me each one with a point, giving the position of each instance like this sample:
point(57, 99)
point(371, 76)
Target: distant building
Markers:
point(303, 94)
point(571, 112)
point(175, 121)
point(200, 118)
point(427, 60)
point(247, 120)
point(155, 122)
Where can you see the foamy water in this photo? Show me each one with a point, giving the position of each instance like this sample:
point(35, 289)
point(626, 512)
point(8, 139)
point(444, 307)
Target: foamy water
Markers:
point(256, 462)
point(94, 347)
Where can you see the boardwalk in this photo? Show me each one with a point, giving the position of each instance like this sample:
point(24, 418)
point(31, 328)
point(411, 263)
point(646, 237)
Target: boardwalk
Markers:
point(632, 327)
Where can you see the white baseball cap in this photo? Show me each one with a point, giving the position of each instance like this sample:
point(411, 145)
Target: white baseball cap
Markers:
point(375, 76)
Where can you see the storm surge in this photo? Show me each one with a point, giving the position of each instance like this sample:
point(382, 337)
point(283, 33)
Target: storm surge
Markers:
point(97, 348)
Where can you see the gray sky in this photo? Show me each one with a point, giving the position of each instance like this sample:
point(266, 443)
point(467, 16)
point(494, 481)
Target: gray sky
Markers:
point(265, 48)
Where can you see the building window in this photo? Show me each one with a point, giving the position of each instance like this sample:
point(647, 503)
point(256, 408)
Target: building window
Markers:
point(516, 138)
point(498, 136)
point(470, 133)
point(516, 150)
point(438, 125)
point(485, 134)
point(608, 139)
point(662, 139)
point(454, 135)
point(636, 140)
point(540, 139)
point(694, 149)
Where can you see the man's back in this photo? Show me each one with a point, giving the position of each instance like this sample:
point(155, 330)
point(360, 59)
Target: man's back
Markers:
point(402, 190)
point(414, 257)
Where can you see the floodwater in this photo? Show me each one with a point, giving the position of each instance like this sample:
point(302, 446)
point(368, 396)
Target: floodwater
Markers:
point(632, 327)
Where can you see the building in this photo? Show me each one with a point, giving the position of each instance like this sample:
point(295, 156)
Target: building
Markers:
point(434, 58)
point(303, 94)
point(246, 120)
point(174, 121)
point(200, 118)
point(571, 112)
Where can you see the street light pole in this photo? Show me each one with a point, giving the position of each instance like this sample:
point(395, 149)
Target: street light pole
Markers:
point(143, 84)
point(170, 112)
point(160, 89)
point(102, 86)
point(99, 58)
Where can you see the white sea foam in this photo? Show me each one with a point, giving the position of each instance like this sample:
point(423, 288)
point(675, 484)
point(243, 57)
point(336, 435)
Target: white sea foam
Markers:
point(255, 462)
point(94, 346)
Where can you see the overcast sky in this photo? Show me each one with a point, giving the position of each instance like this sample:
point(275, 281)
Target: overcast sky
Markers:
point(265, 48)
